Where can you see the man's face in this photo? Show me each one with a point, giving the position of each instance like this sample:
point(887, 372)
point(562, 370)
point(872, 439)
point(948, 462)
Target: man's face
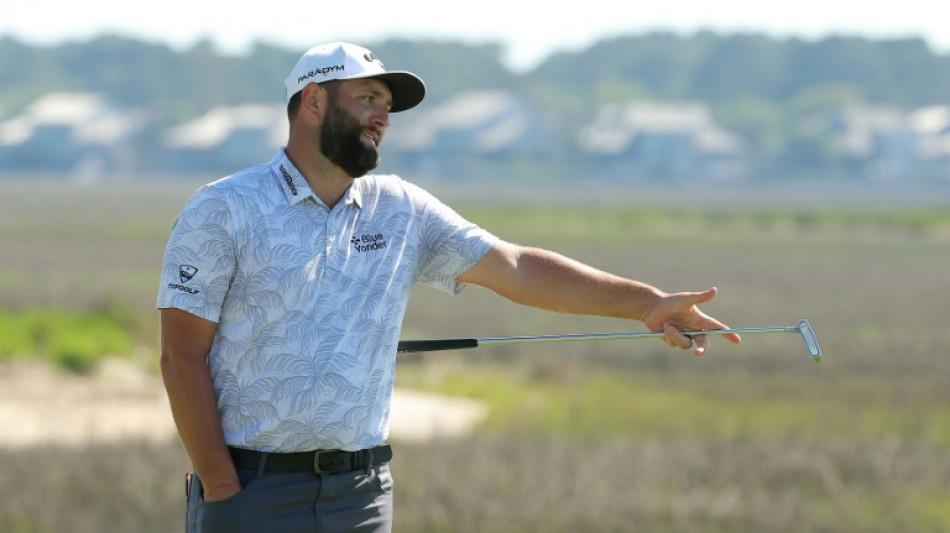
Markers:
point(350, 138)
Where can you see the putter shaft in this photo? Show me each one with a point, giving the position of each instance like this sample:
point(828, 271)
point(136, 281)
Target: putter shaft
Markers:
point(621, 336)
point(803, 328)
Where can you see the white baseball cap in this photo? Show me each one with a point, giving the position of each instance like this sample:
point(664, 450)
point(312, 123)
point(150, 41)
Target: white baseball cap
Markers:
point(345, 61)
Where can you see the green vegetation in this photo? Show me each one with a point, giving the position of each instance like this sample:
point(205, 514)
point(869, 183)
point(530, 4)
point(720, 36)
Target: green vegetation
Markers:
point(73, 341)
point(773, 409)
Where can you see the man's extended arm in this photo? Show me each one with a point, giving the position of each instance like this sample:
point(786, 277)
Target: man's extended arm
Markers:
point(186, 340)
point(547, 280)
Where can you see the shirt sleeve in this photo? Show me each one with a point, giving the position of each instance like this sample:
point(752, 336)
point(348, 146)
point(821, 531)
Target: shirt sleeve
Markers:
point(451, 245)
point(199, 260)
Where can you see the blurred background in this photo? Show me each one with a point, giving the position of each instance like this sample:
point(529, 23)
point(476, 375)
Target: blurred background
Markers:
point(799, 160)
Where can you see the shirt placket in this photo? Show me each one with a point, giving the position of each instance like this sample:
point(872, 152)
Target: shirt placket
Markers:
point(320, 243)
point(334, 249)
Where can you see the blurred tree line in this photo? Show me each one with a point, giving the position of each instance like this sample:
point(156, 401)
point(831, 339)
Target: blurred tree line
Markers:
point(746, 77)
point(750, 81)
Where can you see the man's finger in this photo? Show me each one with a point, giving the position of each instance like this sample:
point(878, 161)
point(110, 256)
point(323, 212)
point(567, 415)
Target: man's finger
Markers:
point(702, 344)
point(675, 338)
point(703, 297)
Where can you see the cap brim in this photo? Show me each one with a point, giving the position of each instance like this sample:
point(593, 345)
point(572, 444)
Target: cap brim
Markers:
point(407, 89)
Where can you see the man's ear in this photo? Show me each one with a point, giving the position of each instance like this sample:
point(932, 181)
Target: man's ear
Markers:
point(313, 100)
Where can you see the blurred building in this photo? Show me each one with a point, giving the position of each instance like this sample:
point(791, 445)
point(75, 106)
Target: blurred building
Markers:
point(77, 134)
point(932, 124)
point(661, 140)
point(474, 131)
point(226, 139)
point(887, 143)
point(478, 134)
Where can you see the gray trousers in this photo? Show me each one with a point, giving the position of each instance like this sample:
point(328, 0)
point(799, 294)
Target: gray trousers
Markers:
point(291, 502)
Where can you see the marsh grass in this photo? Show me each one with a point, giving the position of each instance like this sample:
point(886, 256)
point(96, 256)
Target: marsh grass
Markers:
point(521, 483)
point(129, 487)
point(607, 436)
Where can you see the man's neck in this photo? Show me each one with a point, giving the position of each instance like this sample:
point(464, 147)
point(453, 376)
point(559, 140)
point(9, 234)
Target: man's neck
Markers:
point(328, 181)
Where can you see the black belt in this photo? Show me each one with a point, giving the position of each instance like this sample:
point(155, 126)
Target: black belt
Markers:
point(318, 461)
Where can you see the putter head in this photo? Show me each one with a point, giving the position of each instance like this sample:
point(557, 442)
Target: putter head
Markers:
point(811, 342)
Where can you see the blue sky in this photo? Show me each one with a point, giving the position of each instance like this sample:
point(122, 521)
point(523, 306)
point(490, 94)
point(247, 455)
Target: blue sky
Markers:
point(529, 30)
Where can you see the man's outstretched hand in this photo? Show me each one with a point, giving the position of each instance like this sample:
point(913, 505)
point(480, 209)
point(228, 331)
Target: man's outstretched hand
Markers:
point(678, 312)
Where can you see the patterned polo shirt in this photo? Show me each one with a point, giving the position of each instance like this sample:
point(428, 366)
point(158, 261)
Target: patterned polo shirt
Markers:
point(309, 300)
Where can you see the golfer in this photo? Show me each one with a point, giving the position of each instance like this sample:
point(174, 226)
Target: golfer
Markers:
point(282, 293)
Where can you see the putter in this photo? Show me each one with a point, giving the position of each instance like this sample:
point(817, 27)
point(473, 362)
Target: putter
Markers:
point(803, 328)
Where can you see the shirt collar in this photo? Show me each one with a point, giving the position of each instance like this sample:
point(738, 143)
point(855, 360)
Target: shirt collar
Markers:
point(290, 180)
point(354, 194)
point(296, 188)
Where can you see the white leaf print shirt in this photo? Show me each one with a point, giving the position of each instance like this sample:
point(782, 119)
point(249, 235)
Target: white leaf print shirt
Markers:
point(309, 301)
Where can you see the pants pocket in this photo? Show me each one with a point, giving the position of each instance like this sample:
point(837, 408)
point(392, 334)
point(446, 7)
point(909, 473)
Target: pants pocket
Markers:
point(212, 517)
point(220, 517)
point(384, 477)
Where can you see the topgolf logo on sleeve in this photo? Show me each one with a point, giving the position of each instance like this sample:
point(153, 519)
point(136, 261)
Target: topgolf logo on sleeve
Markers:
point(185, 273)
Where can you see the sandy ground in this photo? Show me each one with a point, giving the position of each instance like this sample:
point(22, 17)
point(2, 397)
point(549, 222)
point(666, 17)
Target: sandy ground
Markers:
point(39, 405)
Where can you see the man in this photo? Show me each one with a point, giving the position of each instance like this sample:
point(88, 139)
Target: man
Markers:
point(282, 296)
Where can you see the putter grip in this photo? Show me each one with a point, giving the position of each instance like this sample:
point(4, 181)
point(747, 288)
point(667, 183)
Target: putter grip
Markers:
point(435, 345)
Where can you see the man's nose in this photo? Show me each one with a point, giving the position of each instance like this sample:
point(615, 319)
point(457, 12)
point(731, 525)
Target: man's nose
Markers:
point(380, 119)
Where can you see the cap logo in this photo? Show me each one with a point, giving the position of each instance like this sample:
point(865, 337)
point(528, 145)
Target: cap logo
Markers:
point(321, 71)
point(370, 57)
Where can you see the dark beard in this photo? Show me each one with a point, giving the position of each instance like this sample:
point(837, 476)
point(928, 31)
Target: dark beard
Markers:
point(341, 143)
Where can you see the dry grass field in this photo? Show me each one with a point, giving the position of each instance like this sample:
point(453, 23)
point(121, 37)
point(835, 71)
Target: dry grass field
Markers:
point(597, 436)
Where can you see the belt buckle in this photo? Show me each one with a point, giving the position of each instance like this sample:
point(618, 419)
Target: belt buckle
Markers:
point(316, 462)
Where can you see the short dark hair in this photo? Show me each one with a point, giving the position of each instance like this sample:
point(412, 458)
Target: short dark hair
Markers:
point(293, 105)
